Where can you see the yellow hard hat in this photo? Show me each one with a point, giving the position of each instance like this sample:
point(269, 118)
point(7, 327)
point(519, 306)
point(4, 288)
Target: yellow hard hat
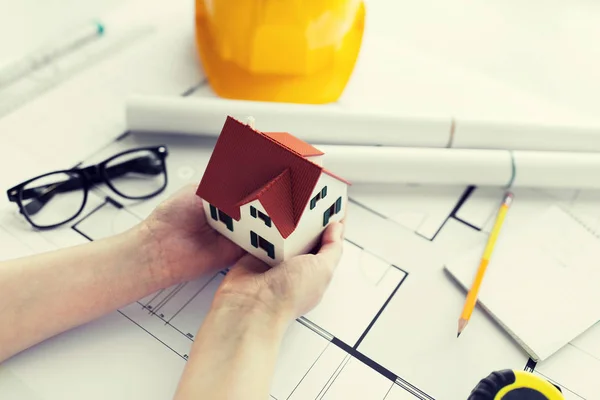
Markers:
point(298, 51)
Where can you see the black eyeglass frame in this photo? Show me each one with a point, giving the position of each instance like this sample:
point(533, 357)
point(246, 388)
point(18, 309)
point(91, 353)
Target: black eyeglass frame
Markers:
point(90, 176)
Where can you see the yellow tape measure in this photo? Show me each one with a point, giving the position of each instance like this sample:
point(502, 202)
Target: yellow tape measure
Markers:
point(515, 385)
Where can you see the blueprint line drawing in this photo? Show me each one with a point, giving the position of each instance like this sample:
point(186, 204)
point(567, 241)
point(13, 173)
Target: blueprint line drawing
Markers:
point(173, 315)
point(385, 328)
point(425, 224)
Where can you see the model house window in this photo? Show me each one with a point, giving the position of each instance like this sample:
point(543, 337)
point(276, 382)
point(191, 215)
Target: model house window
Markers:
point(226, 219)
point(213, 212)
point(332, 210)
point(318, 196)
point(257, 214)
point(260, 242)
point(219, 215)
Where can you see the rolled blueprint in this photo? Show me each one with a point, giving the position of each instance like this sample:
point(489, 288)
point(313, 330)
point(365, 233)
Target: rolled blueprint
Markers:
point(503, 168)
point(372, 164)
point(525, 136)
point(312, 123)
point(333, 124)
point(557, 170)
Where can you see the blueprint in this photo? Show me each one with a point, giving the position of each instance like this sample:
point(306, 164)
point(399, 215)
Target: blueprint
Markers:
point(385, 329)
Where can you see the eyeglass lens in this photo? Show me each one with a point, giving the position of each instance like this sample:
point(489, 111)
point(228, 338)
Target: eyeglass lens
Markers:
point(136, 174)
point(53, 199)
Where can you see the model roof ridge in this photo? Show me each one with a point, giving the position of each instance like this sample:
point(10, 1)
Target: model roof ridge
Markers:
point(296, 214)
point(294, 152)
point(314, 151)
point(261, 190)
point(267, 137)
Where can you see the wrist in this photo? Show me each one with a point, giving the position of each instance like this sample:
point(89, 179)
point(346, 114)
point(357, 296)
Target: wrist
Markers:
point(235, 352)
point(246, 311)
point(141, 244)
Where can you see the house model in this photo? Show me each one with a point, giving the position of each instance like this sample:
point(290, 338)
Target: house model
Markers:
point(269, 193)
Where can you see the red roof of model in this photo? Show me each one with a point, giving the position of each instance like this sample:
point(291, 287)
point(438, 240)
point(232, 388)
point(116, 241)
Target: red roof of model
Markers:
point(247, 164)
point(292, 142)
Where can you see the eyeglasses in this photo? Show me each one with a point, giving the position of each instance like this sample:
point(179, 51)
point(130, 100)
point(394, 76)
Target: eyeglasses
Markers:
point(55, 198)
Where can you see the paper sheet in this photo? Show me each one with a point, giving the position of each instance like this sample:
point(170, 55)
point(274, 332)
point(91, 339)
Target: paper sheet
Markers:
point(341, 125)
point(48, 77)
point(98, 95)
point(404, 204)
point(427, 166)
point(557, 170)
point(308, 366)
point(430, 166)
point(357, 380)
point(364, 301)
point(541, 136)
point(362, 285)
point(14, 388)
point(575, 382)
point(480, 208)
point(311, 123)
point(548, 261)
point(415, 336)
point(585, 206)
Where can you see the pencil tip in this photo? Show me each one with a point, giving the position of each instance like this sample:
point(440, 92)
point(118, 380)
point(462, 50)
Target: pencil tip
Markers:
point(462, 323)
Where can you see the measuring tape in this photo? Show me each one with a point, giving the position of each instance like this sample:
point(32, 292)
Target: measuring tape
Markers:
point(511, 384)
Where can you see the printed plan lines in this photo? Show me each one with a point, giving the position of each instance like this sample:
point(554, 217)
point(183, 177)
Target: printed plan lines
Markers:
point(386, 327)
point(318, 357)
point(315, 346)
point(405, 205)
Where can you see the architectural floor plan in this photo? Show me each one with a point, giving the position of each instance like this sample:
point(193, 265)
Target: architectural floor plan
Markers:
point(386, 328)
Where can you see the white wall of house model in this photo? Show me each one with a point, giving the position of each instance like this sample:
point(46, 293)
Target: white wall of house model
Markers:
point(256, 233)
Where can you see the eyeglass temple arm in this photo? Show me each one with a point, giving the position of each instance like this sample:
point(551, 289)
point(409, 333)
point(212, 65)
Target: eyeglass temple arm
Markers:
point(141, 165)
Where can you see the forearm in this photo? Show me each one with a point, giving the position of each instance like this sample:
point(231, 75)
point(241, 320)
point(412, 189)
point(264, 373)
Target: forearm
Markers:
point(234, 355)
point(49, 293)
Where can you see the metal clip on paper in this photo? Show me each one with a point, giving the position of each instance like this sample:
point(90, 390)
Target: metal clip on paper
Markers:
point(515, 385)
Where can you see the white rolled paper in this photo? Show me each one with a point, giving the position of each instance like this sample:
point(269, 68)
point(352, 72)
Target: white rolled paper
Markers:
point(418, 165)
point(522, 136)
point(557, 170)
point(332, 124)
point(312, 123)
point(503, 168)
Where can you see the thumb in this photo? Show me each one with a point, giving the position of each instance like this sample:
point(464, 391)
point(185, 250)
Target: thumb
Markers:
point(332, 240)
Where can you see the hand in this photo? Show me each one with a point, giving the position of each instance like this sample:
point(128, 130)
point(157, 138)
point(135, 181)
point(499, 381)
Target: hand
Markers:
point(291, 288)
point(248, 318)
point(182, 243)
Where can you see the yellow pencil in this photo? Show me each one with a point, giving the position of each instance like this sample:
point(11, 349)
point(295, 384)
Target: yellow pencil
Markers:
point(485, 259)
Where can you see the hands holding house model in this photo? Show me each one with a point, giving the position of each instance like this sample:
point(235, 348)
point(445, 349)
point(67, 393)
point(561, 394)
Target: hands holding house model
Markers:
point(269, 194)
point(235, 351)
point(267, 209)
point(185, 246)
